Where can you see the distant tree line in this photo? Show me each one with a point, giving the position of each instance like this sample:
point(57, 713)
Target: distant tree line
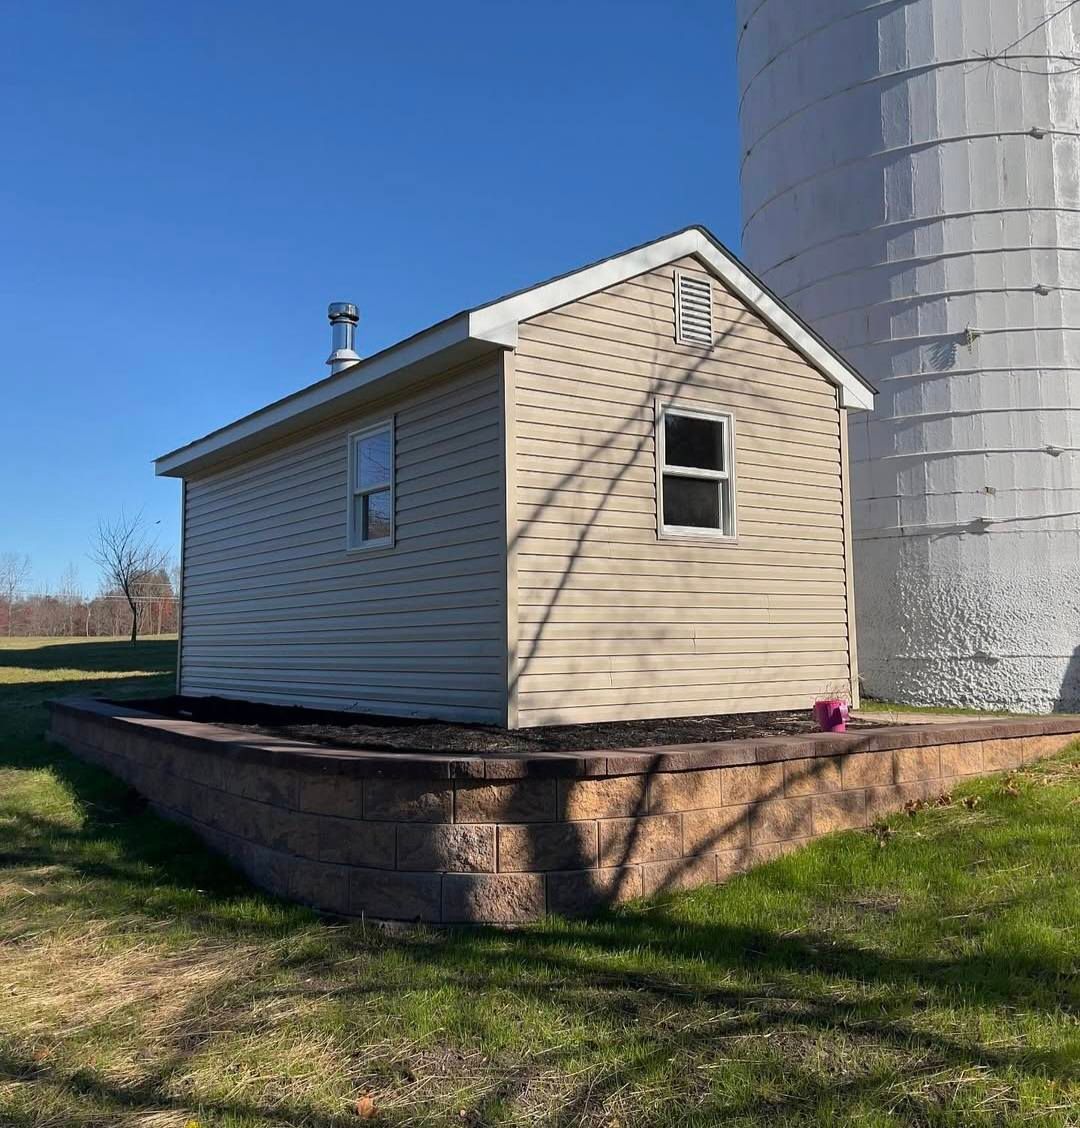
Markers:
point(137, 592)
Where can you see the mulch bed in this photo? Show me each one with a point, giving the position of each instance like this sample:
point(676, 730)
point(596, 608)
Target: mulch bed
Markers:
point(397, 734)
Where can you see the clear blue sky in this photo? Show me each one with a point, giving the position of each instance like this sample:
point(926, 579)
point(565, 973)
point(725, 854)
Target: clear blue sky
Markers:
point(186, 186)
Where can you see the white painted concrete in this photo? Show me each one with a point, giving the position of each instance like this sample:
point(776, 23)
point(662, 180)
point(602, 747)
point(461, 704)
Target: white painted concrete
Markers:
point(919, 205)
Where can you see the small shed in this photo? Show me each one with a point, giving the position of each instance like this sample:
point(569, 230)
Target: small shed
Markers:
point(619, 494)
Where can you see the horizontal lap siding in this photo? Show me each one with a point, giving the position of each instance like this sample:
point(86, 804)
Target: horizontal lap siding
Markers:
point(276, 610)
point(613, 623)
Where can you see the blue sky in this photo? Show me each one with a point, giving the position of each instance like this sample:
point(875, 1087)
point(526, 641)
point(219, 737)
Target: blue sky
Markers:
point(186, 186)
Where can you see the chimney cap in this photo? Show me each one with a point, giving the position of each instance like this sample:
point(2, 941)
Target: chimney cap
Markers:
point(343, 311)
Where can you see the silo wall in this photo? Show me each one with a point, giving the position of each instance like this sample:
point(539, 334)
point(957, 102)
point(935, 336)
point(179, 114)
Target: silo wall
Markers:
point(911, 185)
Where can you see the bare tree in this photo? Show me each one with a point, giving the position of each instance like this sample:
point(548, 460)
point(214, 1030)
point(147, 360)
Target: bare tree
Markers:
point(176, 577)
point(70, 595)
point(129, 557)
point(14, 572)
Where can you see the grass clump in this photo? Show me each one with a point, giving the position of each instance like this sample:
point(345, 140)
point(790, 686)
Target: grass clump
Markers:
point(899, 708)
point(924, 972)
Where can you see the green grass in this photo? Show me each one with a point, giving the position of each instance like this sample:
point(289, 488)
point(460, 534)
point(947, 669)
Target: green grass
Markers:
point(923, 977)
point(872, 705)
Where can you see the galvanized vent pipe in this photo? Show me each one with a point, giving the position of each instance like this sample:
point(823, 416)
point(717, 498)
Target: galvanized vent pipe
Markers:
point(344, 318)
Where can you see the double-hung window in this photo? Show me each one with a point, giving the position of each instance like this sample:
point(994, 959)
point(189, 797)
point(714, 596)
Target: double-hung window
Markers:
point(371, 486)
point(695, 473)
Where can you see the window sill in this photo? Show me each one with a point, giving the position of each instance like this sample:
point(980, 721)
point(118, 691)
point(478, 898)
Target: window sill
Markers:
point(718, 539)
point(375, 548)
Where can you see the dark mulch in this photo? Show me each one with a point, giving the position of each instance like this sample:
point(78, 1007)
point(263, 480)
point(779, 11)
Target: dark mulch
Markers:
point(390, 734)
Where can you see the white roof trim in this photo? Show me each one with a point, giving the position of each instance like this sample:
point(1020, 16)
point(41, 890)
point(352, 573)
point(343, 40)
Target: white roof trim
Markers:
point(495, 318)
point(411, 351)
point(497, 324)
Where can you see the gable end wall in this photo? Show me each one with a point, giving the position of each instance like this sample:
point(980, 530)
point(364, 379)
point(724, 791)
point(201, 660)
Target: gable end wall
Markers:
point(615, 624)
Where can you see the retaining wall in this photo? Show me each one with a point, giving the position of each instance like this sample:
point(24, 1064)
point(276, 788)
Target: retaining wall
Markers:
point(505, 840)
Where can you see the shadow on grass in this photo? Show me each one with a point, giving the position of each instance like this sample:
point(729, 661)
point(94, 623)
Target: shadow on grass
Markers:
point(141, 864)
point(154, 654)
point(618, 971)
point(623, 974)
point(145, 864)
point(114, 669)
point(785, 1017)
point(150, 1097)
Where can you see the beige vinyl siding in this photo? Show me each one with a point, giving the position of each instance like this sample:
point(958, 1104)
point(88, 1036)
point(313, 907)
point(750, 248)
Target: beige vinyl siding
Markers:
point(615, 623)
point(277, 610)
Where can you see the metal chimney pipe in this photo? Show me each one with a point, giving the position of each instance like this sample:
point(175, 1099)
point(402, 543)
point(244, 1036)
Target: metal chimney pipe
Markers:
point(344, 317)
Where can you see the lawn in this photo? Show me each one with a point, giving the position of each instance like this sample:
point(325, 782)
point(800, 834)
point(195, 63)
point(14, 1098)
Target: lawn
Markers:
point(873, 705)
point(924, 973)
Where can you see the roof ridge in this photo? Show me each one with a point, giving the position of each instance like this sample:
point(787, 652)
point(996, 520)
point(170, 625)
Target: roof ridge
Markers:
point(469, 333)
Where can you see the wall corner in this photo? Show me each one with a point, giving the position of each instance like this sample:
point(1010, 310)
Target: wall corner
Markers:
point(180, 593)
point(511, 529)
point(849, 571)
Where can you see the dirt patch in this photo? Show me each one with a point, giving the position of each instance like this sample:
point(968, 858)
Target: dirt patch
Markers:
point(396, 734)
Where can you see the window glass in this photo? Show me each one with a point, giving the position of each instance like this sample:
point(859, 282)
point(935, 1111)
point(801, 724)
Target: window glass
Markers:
point(373, 460)
point(691, 503)
point(356, 533)
point(376, 515)
point(371, 473)
point(694, 442)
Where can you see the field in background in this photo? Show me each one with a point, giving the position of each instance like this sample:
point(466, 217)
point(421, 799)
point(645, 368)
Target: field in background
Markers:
point(923, 973)
point(35, 669)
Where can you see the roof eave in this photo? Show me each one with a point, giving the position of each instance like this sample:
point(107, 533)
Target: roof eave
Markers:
point(415, 358)
point(495, 325)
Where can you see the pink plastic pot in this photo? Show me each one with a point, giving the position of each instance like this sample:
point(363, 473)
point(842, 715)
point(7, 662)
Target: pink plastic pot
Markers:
point(831, 716)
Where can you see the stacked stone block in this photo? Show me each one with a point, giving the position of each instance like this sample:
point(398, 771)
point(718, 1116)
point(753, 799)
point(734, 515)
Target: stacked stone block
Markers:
point(507, 840)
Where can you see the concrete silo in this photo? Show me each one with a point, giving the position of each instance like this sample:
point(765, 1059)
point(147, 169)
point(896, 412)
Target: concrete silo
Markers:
point(911, 185)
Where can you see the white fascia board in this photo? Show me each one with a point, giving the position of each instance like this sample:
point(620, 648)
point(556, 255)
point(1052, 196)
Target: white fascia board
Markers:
point(854, 394)
point(498, 322)
point(571, 287)
point(350, 380)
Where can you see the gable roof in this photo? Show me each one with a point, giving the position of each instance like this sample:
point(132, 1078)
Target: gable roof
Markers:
point(473, 332)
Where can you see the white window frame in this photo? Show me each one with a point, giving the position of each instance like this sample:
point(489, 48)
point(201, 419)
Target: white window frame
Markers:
point(728, 532)
point(353, 541)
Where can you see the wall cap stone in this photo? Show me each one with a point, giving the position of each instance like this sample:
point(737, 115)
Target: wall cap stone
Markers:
point(278, 752)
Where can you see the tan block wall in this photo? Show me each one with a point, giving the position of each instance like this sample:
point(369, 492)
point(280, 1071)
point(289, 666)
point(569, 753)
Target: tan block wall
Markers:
point(468, 850)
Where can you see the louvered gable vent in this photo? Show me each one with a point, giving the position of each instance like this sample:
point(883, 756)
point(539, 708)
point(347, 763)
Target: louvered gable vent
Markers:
point(693, 309)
